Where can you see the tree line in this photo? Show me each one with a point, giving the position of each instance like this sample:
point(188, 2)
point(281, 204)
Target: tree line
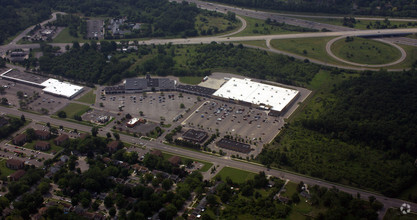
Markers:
point(361, 134)
point(397, 8)
point(20, 14)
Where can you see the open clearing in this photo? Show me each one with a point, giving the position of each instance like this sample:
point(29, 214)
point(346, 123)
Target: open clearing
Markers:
point(65, 37)
point(192, 80)
point(363, 24)
point(309, 47)
point(259, 27)
point(238, 176)
point(75, 109)
point(89, 97)
point(207, 25)
point(365, 51)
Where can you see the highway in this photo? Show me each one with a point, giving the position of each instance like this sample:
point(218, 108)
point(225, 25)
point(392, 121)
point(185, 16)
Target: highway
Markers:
point(292, 19)
point(226, 161)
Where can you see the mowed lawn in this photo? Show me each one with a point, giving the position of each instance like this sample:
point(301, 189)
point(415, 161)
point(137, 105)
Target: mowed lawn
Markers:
point(309, 47)
point(4, 171)
point(89, 97)
point(192, 80)
point(365, 51)
point(65, 37)
point(409, 60)
point(236, 175)
point(51, 142)
point(75, 109)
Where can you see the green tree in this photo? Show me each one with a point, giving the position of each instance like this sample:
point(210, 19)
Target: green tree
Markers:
point(19, 94)
point(295, 198)
point(112, 211)
point(94, 131)
point(62, 114)
point(4, 101)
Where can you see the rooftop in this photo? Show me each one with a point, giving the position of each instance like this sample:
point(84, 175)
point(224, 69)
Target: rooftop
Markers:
point(195, 135)
point(273, 97)
point(234, 145)
point(57, 87)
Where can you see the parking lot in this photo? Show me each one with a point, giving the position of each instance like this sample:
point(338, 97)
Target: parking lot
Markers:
point(153, 105)
point(253, 125)
point(95, 29)
point(33, 102)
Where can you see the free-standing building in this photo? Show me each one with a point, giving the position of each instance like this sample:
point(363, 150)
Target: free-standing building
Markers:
point(249, 93)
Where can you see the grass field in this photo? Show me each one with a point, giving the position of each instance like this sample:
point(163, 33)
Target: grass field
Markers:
point(259, 27)
point(316, 48)
point(65, 37)
point(4, 171)
point(205, 168)
point(238, 176)
point(257, 43)
point(206, 22)
point(360, 24)
point(192, 80)
point(309, 47)
point(89, 97)
point(365, 51)
point(394, 214)
point(409, 60)
point(413, 36)
point(75, 109)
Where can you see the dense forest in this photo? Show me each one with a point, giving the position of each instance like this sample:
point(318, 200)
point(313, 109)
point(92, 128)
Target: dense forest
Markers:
point(86, 64)
point(18, 15)
point(402, 8)
point(92, 65)
point(362, 134)
point(202, 59)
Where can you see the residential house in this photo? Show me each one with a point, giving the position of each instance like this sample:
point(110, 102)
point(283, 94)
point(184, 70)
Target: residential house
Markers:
point(42, 145)
point(20, 139)
point(113, 146)
point(15, 164)
point(157, 153)
point(175, 160)
point(42, 135)
point(16, 175)
point(61, 139)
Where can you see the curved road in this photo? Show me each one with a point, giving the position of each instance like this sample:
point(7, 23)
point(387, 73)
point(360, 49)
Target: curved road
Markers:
point(401, 59)
point(243, 27)
point(27, 30)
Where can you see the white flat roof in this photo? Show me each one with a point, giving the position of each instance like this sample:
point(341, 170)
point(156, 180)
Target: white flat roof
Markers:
point(277, 98)
point(61, 88)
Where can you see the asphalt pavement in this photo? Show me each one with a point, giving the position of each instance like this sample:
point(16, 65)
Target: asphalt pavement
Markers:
point(225, 161)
